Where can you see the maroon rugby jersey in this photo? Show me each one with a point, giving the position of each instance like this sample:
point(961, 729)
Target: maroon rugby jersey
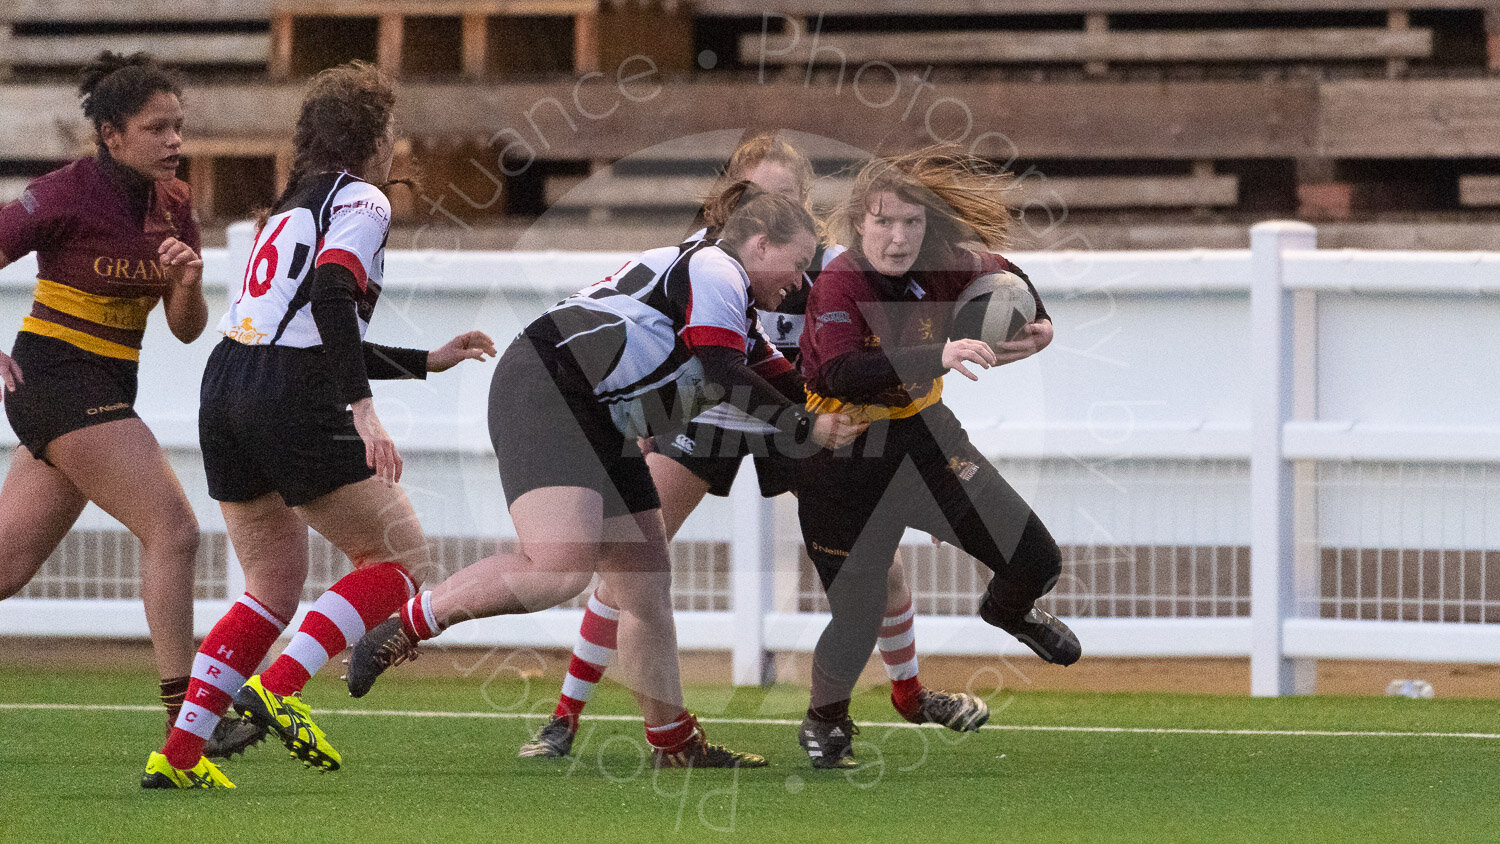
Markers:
point(96, 228)
point(856, 310)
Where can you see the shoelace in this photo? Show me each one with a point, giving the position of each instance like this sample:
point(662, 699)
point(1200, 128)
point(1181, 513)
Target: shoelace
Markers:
point(396, 650)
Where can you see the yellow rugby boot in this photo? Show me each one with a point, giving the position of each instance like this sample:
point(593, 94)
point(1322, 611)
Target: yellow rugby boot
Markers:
point(291, 720)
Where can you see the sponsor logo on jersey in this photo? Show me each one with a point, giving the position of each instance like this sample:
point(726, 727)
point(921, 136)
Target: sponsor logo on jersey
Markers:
point(964, 469)
point(834, 316)
point(127, 270)
point(872, 341)
point(245, 333)
point(684, 443)
point(94, 411)
point(826, 550)
point(363, 206)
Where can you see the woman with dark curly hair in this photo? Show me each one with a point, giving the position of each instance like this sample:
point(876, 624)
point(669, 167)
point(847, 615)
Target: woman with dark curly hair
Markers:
point(290, 436)
point(114, 234)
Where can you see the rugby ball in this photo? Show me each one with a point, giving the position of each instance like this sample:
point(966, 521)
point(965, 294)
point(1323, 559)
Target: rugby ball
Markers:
point(994, 308)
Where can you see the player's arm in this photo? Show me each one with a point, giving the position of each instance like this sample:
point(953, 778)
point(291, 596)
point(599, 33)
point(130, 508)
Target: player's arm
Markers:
point(333, 311)
point(1037, 334)
point(32, 221)
point(742, 388)
point(183, 302)
point(395, 362)
point(853, 373)
point(10, 373)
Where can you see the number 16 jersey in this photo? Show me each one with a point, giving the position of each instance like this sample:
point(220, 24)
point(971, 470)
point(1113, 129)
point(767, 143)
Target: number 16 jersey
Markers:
point(331, 218)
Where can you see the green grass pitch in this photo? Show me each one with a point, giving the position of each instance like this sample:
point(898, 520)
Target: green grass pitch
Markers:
point(1051, 767)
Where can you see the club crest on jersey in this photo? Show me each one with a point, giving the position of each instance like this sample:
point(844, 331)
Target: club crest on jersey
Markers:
point(28, 201)
point(964, 469)
point(924, 327)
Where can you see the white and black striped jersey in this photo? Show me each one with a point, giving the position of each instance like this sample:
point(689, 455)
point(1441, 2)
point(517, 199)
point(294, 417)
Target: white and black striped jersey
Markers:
point(331, 218)
point(784, 325)
point(634, 331)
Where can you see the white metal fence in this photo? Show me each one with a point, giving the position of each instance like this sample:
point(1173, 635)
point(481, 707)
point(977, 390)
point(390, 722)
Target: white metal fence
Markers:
point(1278, 452)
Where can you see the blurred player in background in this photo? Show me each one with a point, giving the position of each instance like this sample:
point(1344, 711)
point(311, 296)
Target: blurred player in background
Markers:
point(290, 437)
point(569, 399)
point(876, 347)
point(114, 234)
point(704, 459)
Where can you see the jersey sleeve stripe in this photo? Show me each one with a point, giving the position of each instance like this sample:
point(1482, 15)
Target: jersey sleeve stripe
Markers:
point(708, 335)
point(772, 367)
point(348, 260)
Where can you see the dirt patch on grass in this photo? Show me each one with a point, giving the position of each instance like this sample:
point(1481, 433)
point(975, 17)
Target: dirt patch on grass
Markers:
point(1190, 676)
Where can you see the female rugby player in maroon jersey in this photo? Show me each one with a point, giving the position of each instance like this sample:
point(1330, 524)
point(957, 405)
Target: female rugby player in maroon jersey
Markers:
point(876, 347)
point(114, 234)
point(704, 459)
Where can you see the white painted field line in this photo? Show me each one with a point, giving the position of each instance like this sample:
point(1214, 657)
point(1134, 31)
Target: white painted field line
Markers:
point(778, 722)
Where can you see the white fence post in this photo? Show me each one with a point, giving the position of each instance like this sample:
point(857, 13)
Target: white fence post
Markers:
point(1273, 595)
point(752, 559)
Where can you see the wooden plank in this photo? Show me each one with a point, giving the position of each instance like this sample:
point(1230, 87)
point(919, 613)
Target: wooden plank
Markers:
point(201, 180)
point(958, 47)
point(1477, 190)
point(638, 192)
point(390, 33)
point(221, 147)
point(42, 123)
point(586, 42)
point(1187, 120)
point(178, 48)
point(373, 8)
point(1184, 121)
point(476, 28)
point(812, 8)
point(281, 46)
point(29, 11)
point(1412, 118)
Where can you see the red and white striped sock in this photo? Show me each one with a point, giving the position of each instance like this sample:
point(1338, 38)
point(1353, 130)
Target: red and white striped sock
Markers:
point(360, 600)
point(673, 736)
point(592, 653)
point(417, 618)
point(898, 650)
point(231, 653)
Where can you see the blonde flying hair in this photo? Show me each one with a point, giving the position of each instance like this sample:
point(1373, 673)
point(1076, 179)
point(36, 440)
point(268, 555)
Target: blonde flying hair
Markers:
point(767, 146)
point(961, 193)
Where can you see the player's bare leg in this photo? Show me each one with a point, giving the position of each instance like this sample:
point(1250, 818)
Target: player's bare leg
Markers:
point(374, 525)
point(559, 531)
point(270, 541)
point(38, 506)
point(120, 467)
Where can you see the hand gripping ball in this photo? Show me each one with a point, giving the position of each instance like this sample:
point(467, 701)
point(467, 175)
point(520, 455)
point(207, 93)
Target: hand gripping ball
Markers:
point(994, 308)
